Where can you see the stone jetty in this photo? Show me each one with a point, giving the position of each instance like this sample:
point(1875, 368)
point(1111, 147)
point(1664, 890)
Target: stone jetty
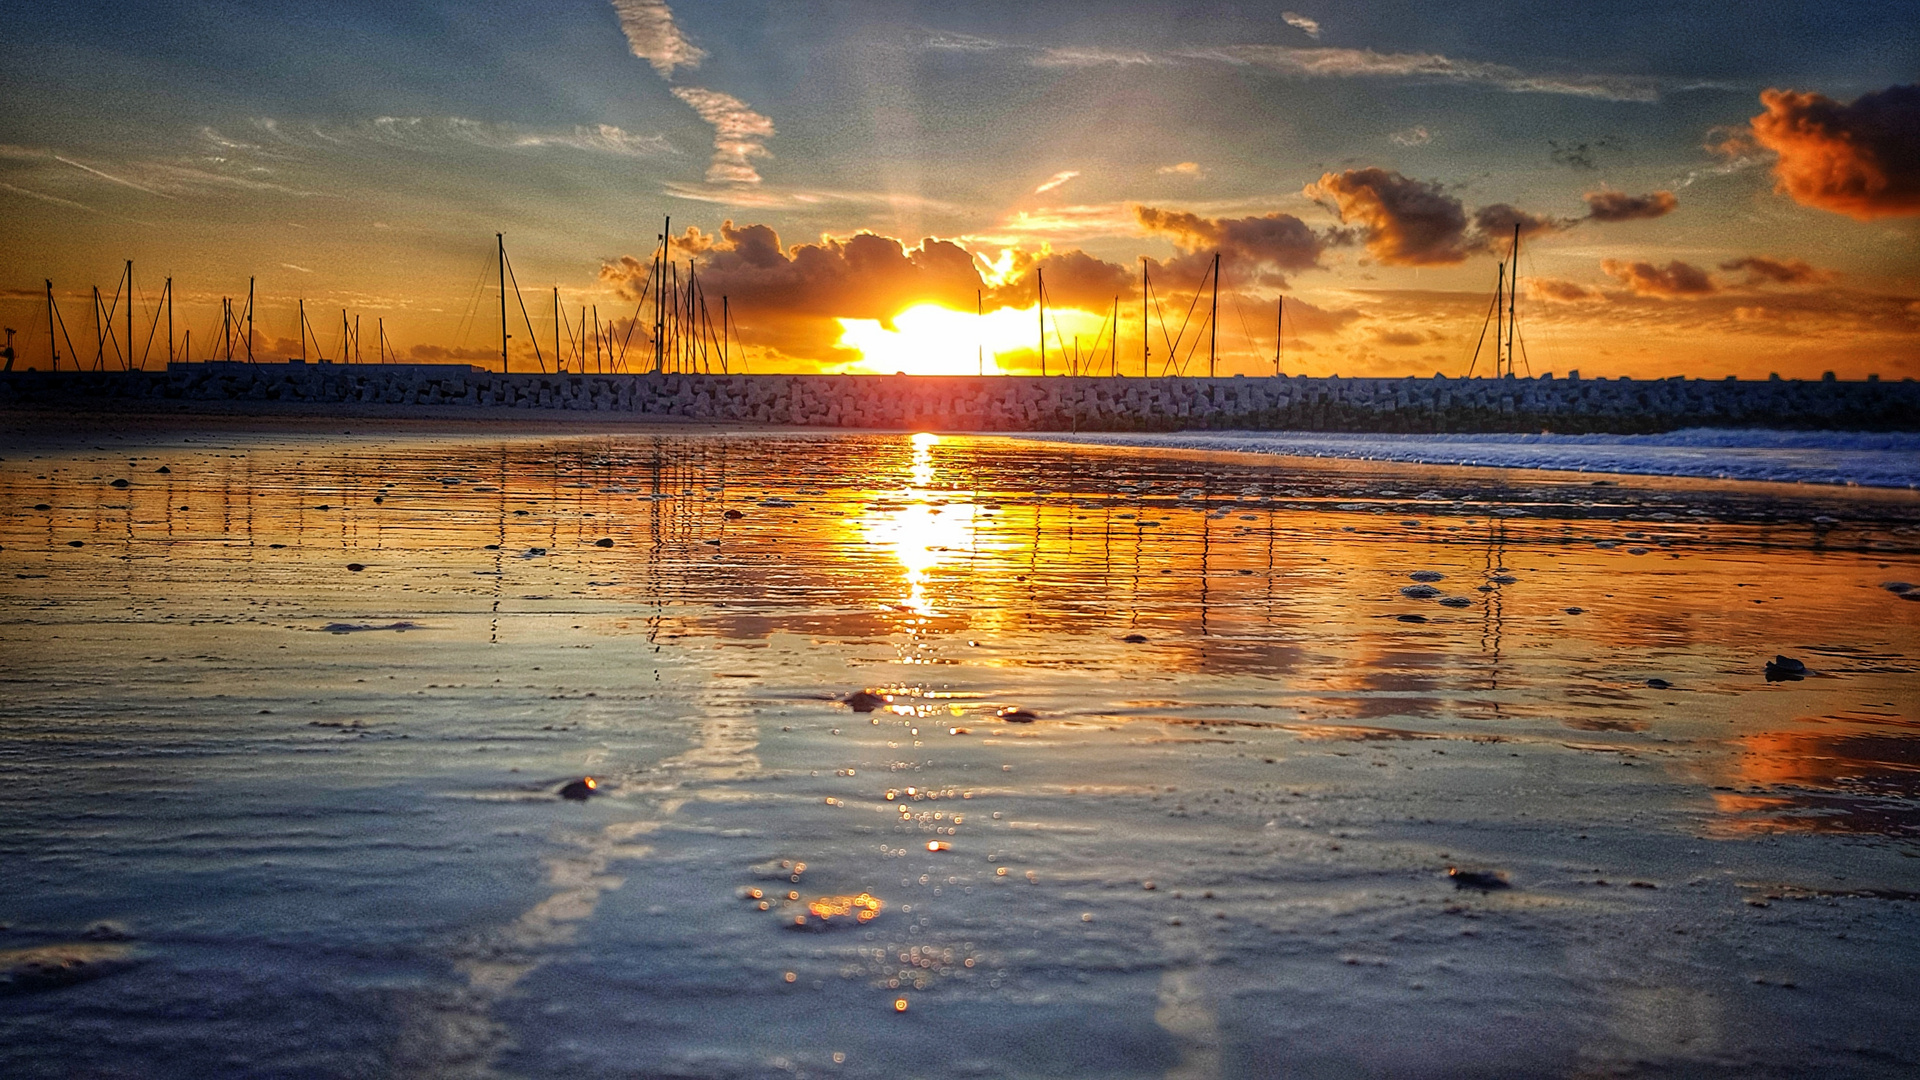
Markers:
point(996, 403)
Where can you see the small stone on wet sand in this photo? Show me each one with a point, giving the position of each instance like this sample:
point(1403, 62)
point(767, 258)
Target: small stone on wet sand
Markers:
point(1014, 714)
point(1484, 880)
point(580, 790)
point(864, 701)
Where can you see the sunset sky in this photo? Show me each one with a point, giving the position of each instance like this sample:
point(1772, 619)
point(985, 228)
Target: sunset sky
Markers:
point(1706, 189)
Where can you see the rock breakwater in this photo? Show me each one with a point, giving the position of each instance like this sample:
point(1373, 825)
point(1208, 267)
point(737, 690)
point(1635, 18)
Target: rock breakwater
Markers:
point(1005, 403)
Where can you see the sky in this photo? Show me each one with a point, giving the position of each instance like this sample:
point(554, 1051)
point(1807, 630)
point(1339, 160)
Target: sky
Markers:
point(1705, 189)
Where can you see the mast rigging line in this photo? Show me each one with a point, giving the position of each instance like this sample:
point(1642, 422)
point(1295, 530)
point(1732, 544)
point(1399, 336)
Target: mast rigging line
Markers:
point(528, 319)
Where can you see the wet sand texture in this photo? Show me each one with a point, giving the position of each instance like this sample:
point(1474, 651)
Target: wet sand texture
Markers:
point(321, 810)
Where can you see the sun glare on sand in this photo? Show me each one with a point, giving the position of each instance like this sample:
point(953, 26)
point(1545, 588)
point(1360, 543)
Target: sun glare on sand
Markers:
point(928, 339)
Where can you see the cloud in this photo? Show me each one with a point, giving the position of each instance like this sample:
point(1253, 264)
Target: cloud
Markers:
point(1084, 57)
point(1619, 206)
point(655, 37)
point(1565, 292)
point(1413, 136)
point(1277, 241)
point(301, 269)
point(110, 177)
point(1860, 159)
point(1300, 22)
point(1762, 270)
point(1400, 338)
point(437, 354)
point(1055, 181)
point(1365, 63)
point(739, 134)
point(53, 199)
point(1674, 279)
point(1405, 222)
point(1184, 168)
point(426, 132)
point(1497, 222)
point(1074, 279)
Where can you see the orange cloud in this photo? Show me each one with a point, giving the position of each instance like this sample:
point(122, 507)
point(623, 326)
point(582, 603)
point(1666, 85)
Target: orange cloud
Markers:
point(1860, 159)
point(1406, 222)
point(1565, 292)
point(1761, 270)
point(1620, 206)
point(1674, 279)
point(1074, 279)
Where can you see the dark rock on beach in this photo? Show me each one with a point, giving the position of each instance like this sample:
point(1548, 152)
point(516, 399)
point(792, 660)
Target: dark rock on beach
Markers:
point(1785, 669)
point(864, 701)
point(1483, 880)
point(580, 790)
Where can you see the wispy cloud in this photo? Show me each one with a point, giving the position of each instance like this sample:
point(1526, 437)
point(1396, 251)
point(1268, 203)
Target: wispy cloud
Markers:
point(45, 198)
point(1184, 168)
point(110, 177)
point(301, 269)
point(739, 134)
point(1332, 63)
point(1366, 63)
point(1055, 181)
point(1085, 57)
point(595, 138)
point(1309, 27)
point(655, 37)
point(1413, 136)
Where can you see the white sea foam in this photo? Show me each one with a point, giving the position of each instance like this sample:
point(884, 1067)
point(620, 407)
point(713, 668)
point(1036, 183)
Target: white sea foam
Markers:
point(1870, 459)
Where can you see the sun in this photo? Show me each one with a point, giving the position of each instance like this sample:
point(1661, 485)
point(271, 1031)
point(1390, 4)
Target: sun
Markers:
point(928, 339)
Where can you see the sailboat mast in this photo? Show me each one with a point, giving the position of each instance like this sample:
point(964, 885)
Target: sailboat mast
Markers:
point(979, 346)
point(53, 342)
point(1499, 315)
point(1040, 290)
point(249, 316)
point(129, 356)
point(559, 362)
point(1213, 318)
point(500, 241)
point(1513, 297)
point(1279, 333)
point(169, 319)
point(1146, 338)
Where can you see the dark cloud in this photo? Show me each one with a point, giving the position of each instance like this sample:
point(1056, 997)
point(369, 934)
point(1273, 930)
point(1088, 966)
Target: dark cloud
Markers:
point(1674, 279)
point(1407, 222)
point(1496, 222)
point(1860, 159)
point(1762, 270)
point(862, 277)
point(1281, 241)
point(1620, 206)
point(1074, 279)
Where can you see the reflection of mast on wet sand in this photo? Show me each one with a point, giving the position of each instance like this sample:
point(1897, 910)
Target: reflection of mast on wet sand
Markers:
point(1492, 613)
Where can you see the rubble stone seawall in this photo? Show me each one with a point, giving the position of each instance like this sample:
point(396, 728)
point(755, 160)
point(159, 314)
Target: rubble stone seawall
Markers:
point(1003, 403)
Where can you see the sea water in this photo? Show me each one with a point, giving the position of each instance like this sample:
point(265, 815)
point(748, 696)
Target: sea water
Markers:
point(286, 715)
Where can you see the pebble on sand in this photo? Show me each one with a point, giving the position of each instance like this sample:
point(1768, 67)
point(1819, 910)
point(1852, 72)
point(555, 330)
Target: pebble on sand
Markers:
point(76, 543)
point(1427, 575)
point(1484, 880)
point(119, 483)
point(1574, 610)
point(864, 701)
point(163, 470)
point(603, 542)
point(1455, 601)
point(1014, 714)
point(355, 567)
point(733, 515)
point(1659, 684)
point(1419, 592)
point(1411, 618)
point(1135, 639)
point(580, 790)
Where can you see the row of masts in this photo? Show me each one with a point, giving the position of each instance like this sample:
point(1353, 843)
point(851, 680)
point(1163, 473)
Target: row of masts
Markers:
point(686, 338)
point(684, 335)
point(232, 341)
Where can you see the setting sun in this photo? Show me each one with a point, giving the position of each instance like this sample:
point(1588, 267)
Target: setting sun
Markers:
point(928, 339)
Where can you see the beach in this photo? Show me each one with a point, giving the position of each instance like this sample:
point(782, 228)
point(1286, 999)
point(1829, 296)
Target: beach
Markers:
point(1180, 762)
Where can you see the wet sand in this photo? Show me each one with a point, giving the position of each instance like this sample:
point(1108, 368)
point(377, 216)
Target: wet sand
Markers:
point(299, 818)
